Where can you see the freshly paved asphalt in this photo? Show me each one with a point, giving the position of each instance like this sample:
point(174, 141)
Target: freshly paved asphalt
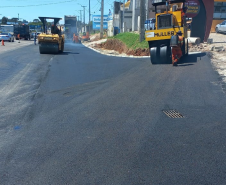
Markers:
point(85, 118)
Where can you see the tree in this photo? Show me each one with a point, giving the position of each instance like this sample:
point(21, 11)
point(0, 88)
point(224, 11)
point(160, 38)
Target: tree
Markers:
point(14, 19)
point(36, 20)
point(4, 20)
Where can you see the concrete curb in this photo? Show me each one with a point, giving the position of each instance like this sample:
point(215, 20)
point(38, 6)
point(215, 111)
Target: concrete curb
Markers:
point(192, 53)
point(122, 56)
point(129, 56)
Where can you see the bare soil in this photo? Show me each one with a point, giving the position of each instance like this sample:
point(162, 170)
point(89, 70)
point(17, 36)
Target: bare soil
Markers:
point(119, 46)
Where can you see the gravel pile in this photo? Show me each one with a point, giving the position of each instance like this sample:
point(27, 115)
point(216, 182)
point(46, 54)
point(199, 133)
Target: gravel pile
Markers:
point(217, 52)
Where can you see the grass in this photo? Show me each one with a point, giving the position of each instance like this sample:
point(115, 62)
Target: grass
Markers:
point(132, 40)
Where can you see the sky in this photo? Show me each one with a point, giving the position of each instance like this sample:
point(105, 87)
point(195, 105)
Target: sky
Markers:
point(32, 9)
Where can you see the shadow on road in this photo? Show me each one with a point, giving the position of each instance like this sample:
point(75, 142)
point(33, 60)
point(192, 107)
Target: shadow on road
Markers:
point(218, 42)
point(190, 59)
point(68, 52)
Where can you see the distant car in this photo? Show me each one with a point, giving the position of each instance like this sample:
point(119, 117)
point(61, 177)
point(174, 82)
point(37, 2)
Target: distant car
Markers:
point(33, 34)
point(6, 37)
point(149, 24)
point(221, 27)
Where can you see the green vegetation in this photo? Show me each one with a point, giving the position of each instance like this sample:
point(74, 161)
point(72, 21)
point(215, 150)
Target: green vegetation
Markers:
point(132, 40)
point(94, 32)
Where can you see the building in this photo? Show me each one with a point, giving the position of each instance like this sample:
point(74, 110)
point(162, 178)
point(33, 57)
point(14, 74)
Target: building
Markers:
point(219, 14)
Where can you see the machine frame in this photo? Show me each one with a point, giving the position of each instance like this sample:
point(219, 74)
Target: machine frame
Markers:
point(51, 43)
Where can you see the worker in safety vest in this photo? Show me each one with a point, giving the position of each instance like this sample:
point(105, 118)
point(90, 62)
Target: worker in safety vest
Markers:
point(75, 38)
point(176, 50)
point(35, 37)
point(18, 36)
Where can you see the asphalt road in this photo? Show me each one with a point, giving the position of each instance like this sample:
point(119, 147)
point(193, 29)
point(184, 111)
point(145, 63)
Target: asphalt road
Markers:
point(85, 118)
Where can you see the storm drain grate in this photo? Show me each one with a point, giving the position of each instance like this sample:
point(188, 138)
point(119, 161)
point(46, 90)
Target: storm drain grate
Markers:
point(173, 114)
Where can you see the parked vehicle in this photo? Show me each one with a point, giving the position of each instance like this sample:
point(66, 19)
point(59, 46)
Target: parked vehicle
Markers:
point(32, 35)
point(221, 27)
point(149, 24)
point(7, 29)
point(70, 23)
point(6, 37)
point(23, 31)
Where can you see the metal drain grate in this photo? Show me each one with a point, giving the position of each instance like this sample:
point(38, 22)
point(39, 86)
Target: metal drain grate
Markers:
point(173, 114)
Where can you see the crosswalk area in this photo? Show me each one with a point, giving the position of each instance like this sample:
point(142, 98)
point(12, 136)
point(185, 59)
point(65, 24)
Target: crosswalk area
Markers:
point(10, 46)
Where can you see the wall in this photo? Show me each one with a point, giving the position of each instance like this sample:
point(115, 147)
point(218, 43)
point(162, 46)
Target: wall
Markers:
point(110, 31)
point(214, 23)
point(128, 20)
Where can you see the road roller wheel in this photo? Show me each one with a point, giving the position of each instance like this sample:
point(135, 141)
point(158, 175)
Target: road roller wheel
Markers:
point(62, 47)
point(165, 55)
point(155, 55)
point(41, 50)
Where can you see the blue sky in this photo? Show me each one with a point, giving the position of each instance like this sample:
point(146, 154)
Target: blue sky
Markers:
point(32, 9)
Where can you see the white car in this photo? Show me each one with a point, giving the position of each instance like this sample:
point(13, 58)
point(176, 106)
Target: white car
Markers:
point(221, 27)
point(6, 37)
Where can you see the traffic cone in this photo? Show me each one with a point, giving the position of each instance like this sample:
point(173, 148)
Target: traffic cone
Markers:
point(3, 43)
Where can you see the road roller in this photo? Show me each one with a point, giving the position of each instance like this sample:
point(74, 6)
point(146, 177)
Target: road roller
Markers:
point(170, 18)
point(51, 42)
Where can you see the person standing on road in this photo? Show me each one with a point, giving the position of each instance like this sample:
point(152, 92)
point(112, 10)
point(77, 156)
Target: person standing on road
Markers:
point(176, 50)
point(18, 36)
point(35, 37)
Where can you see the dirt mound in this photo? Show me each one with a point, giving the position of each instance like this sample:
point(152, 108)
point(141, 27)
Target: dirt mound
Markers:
point(119, 46)
point(96, 37)
point(139, 52)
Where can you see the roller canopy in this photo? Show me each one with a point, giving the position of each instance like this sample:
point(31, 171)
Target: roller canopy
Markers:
point(56, 19)
point(43, 19)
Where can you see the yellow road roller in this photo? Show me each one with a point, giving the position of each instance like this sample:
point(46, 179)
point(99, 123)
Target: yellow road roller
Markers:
point(51, 42)
point(170, 19)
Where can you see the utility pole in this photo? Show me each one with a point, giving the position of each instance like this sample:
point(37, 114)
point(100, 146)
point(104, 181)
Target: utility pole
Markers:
point(80, 15)
point(84, 9)
point(142, 19)
point(123, 26)
point(133, 15)
point(80, 20)
point(102, 19)
point(89, 17)
point(77, 25)
point(147, 9)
